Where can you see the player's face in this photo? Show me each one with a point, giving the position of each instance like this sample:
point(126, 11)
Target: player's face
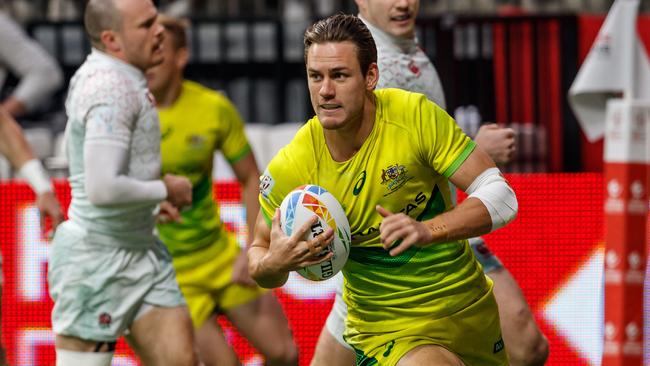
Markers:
point(140, 36)
point(395, 17)
point(160, 77)
point(336, 85)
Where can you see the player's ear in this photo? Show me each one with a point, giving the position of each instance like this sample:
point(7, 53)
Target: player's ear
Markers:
point(110, 40)
point(372, 76)
point(182, 57)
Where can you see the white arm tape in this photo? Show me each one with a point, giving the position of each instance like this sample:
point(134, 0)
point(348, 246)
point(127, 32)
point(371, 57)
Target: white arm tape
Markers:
point(36, 176)
point(492, 189)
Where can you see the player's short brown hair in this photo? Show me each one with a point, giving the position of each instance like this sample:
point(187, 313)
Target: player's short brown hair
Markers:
point(176, 28)
point(342, 28)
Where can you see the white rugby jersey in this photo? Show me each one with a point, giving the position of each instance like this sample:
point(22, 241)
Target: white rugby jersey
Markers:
point(402, 64)
point(117, 94)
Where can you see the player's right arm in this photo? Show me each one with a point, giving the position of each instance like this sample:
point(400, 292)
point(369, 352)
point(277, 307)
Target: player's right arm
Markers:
point(272, 254)
point(107, 183)
point(38, 71)
point(109, 106)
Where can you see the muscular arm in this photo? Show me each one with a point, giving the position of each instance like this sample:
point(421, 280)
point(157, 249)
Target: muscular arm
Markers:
point(264, 276)
point(39, 73)
point(106, 158)
point(106, 183)
point(473, 217)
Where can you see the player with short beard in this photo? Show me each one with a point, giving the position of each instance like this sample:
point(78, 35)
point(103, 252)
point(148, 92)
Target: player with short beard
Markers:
point(108, 273)
point(402, 64)
point(415, 293)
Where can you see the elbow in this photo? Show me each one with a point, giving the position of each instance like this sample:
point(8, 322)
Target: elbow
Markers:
point(505, 211)
point(500, 200)
point(97, 196)
point(53, 81)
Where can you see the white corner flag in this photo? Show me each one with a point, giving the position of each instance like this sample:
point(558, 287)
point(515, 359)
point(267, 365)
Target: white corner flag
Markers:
point(617, 63)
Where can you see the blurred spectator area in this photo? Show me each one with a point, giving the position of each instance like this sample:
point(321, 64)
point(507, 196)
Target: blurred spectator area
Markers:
point(512, 70)
point(56, 10)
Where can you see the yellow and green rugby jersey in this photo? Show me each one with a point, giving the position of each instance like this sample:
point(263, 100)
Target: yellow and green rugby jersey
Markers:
point(404, 166)
point(200, 122)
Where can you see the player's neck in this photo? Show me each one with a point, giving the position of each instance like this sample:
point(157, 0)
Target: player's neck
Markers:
point(345, 142)
point(166, 97)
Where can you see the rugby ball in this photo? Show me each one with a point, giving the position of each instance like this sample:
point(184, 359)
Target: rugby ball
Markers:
point(299, 206)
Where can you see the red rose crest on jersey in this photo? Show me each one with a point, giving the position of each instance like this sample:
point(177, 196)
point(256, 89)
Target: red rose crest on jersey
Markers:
point(105, 319)
point(414, 68)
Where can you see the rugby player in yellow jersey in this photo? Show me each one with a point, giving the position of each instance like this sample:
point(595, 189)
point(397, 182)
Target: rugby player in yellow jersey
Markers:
point(402, 64)
point(211, 270)
point(415, 293)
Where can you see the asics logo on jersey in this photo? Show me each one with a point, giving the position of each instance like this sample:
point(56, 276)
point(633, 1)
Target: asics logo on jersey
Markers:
point(498, 346)
point(360, 182)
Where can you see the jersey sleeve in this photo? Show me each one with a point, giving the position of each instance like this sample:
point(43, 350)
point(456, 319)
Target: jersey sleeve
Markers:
point(234, 144)
point(442, 144)
point(276, 182)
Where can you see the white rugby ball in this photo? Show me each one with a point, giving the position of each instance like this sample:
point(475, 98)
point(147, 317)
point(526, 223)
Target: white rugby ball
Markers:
point(299, 206)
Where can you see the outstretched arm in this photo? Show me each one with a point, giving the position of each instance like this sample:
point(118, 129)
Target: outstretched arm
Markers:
point(39, 73)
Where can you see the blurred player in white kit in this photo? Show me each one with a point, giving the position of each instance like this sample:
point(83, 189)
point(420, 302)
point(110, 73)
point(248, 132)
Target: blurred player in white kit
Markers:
point(108, 274)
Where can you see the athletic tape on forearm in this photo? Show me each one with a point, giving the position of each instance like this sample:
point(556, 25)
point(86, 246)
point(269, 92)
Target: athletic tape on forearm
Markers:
point(36, 176)
point(492, 189)
point(438, 229)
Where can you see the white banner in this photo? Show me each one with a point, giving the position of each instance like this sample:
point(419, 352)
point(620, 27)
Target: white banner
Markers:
point(609, 69)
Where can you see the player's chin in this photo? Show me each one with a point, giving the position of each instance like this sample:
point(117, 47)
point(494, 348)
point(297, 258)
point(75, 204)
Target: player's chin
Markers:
point(331, 123)
point(156, 59)
point(403, 29)
point(331, 120)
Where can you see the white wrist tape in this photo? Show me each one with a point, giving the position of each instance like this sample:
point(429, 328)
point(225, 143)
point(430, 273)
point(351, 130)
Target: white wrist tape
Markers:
point(73, 358)
point(36, 176)
point(492, 189)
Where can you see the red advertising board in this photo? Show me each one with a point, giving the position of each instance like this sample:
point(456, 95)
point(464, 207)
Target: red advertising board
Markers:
point(553, 248)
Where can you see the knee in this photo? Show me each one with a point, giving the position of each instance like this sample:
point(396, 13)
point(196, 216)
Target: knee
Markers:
point(533, 352)
point(286, 355)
